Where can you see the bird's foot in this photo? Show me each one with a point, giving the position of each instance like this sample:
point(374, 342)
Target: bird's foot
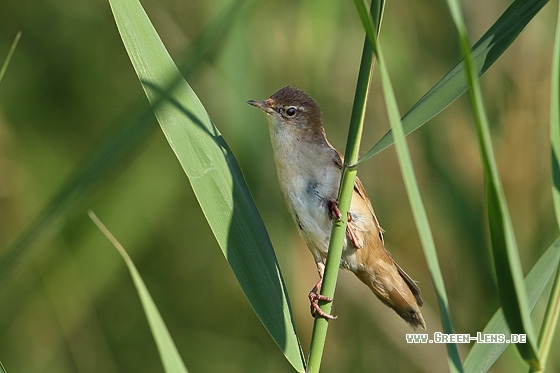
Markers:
point(314, 298)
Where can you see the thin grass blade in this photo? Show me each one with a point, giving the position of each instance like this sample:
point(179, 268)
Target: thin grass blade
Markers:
point(482, 356)
point(214, 175)
point(509, 274)
point(552, 312)
point(550, 320)
point(168, 352)
point(485, 52)
point(555, 122)
point(413, 191)
point(9, 56)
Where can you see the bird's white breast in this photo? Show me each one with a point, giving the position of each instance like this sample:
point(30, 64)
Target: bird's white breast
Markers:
point(308, 178)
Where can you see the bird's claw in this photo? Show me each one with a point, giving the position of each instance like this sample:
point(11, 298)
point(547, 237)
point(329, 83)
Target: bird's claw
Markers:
point(314, 298)
point(335, 212)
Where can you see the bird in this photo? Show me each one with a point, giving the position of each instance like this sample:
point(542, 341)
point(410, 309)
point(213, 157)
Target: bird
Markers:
point(309, 170)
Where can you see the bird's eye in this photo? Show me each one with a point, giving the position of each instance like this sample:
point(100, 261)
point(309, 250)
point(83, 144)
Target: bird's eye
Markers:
point(291, 111)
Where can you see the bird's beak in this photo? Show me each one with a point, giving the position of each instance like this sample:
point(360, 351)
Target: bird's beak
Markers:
point(267, 106)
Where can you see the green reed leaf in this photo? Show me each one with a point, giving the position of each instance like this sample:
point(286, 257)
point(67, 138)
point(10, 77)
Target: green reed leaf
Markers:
point(214, 175)
point(483, 355)
point(485, 52)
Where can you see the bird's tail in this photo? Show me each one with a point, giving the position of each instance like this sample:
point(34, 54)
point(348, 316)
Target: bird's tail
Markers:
point(397, 290)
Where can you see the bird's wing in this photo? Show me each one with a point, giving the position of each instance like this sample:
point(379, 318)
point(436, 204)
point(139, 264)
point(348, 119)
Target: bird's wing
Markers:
point(359, 188)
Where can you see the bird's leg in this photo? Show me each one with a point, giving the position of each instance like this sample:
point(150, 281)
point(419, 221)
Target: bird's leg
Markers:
point(335, 212)
point(315, 297)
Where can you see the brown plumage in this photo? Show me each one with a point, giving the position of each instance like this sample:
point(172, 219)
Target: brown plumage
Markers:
point(309, 170)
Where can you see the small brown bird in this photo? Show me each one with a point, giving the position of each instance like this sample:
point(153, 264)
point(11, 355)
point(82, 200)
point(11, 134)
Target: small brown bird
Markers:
point(309, 170)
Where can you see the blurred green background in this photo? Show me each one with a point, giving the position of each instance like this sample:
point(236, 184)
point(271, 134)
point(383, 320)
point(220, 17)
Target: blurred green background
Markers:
point(70, 304)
